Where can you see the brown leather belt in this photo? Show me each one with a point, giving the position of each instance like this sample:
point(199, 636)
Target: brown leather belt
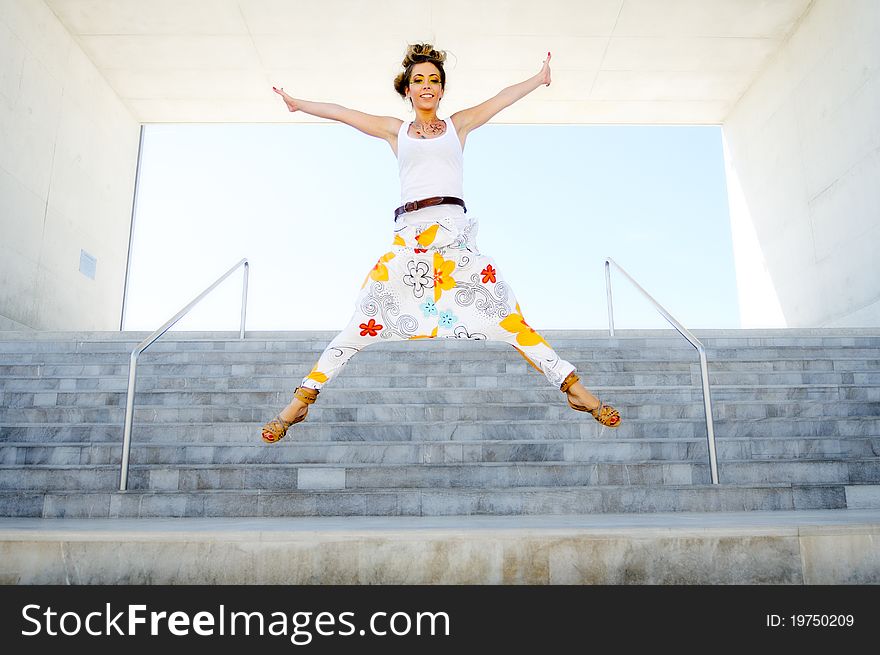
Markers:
point(428, 202)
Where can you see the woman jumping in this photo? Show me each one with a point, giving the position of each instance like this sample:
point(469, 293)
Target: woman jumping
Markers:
point(433, 281)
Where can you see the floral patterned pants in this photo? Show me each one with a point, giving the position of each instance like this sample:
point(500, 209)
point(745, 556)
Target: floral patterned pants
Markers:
point(434, 282)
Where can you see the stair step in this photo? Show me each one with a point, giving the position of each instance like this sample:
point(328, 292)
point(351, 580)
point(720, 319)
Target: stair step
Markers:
point(427, 368)
point(256, 476)
point(307, 357)
point(392, 452)
point(247, 429)
point(427, 502)
point(522, 383)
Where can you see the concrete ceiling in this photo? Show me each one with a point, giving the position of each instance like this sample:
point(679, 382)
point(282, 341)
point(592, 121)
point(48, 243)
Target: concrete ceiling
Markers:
point(614, 61)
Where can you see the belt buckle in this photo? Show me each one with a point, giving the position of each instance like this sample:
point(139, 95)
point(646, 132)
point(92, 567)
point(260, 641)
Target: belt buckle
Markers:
point(411, 206)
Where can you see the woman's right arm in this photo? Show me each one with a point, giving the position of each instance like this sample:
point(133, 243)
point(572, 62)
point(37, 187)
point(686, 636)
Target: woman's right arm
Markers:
point(384, 127)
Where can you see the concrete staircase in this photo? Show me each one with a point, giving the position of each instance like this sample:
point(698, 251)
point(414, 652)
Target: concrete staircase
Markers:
point(438, 427)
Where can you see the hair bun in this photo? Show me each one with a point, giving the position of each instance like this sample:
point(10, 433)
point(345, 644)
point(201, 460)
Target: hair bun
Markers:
point(419, 52)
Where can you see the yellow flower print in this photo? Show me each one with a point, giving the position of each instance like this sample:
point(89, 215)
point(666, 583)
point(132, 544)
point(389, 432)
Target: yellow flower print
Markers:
point(443, 280)
point(525, 335)
point(426, 336)
point(398, 241)
point(426, 238)
point(316, 375)
point(379, 272)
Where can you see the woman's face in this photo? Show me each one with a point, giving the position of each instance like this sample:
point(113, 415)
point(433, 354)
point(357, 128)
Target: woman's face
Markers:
point(424, 86)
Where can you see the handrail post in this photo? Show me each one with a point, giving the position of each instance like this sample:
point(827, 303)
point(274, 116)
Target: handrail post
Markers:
point(696, 343)
point(129, 414)
point(707, 404)
point(143, 345)
point(244, 290)
point(608, 295)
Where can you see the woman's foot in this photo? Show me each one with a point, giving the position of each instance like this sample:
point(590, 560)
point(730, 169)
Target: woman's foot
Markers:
point(582, 400)
point(579, 395)
point(295, 412)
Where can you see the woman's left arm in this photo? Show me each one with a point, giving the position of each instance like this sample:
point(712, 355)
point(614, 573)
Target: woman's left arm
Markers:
point(467, 120)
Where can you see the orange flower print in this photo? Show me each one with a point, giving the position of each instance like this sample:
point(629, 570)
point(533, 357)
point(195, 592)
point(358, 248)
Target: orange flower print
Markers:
point(443, 280)
point(426, 238)
point(379, 272)
point(525, 335)
point(488, 274)
point(398, 241)
point(426, 336)
point(372, 328)
point(316, 375)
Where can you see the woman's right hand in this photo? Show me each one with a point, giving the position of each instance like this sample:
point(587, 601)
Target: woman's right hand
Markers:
point(290, 102)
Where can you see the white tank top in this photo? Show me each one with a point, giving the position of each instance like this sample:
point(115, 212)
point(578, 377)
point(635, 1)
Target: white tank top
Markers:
point(430, 167)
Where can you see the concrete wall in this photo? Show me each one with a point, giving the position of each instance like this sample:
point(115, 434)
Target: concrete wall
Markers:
point(68, 157)
point(803, 147)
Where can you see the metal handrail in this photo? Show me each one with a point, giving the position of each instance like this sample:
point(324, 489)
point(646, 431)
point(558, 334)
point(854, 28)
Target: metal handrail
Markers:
point(704, 370)
point(143, 345)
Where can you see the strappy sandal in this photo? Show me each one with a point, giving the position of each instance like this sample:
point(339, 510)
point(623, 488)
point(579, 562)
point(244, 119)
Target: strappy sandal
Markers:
point(605, 414)
point(275, 429)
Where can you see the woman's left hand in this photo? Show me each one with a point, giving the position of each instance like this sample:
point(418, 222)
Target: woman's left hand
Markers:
point(544, 75)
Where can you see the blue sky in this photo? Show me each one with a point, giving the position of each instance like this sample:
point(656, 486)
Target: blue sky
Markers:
point(311, 206)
